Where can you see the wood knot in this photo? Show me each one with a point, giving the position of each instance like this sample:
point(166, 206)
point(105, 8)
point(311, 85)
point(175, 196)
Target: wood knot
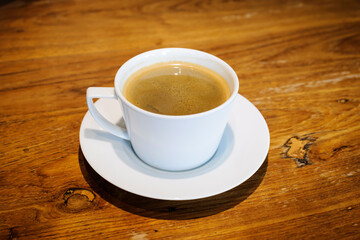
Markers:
point(342, 100)
point(77, 199)
point(298, 148)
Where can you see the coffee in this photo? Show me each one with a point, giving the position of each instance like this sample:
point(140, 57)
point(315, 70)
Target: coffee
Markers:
point(176, 88)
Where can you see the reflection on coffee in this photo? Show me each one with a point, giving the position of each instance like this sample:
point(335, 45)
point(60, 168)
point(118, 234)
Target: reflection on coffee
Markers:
point(176, 88)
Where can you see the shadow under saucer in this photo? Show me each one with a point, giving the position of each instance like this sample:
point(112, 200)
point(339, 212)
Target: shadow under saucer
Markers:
point(170, 209)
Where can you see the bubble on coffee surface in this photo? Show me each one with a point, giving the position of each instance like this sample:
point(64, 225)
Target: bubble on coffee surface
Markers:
point(176, 88)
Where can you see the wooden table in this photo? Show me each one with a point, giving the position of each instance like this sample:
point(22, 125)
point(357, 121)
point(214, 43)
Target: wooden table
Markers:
point(297, 61)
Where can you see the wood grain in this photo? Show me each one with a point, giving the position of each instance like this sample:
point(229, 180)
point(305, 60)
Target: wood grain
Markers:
point(297, 61)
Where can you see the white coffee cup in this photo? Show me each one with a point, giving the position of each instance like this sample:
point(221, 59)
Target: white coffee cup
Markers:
point(167, 142)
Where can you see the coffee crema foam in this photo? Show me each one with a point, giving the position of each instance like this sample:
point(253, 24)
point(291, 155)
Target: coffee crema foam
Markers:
point(176, 88)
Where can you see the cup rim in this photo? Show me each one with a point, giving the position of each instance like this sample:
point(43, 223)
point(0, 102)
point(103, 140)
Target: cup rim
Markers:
point(188, 116)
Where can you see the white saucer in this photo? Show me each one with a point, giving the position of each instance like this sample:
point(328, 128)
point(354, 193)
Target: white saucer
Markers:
point(242, 151)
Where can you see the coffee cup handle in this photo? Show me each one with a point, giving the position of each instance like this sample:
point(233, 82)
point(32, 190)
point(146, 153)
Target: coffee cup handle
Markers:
point(104, 92)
